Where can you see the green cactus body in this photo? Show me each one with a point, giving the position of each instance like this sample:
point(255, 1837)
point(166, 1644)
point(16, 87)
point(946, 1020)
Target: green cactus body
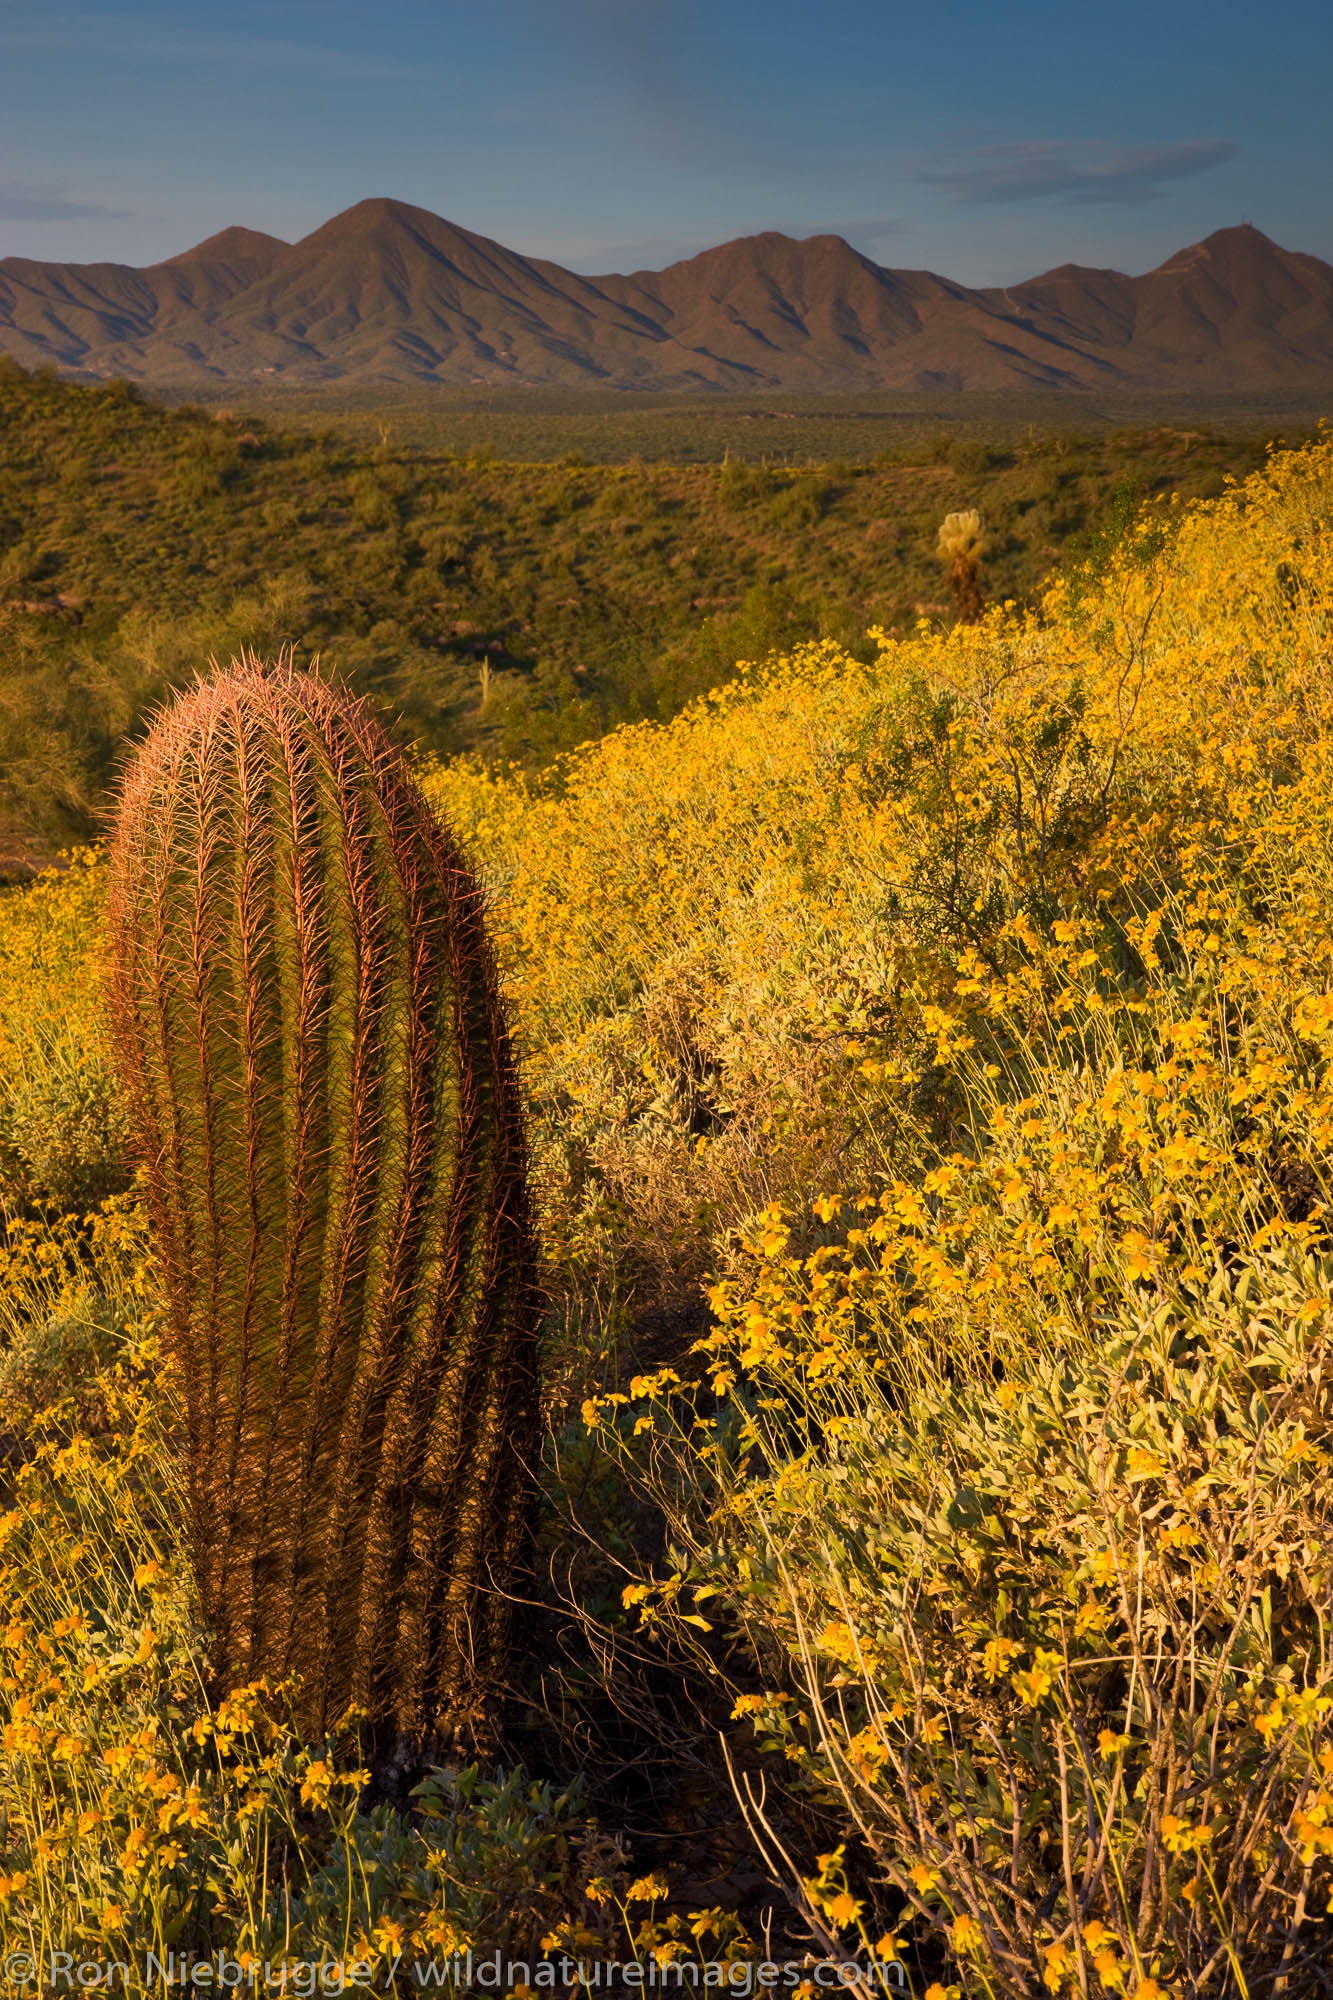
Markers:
point(320, 1082)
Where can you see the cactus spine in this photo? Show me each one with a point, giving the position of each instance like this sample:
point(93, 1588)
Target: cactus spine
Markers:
point(320, 1082)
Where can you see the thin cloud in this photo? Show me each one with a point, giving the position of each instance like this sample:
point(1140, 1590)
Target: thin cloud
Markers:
point(655, 76)
point(42, 29)
point(22, 203)
point(1075, 173)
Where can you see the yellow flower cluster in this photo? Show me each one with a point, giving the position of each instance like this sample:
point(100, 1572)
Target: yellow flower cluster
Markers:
point(1016, 1078)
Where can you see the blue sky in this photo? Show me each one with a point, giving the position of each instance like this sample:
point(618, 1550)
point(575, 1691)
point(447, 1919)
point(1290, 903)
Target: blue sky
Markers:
point(987, 141)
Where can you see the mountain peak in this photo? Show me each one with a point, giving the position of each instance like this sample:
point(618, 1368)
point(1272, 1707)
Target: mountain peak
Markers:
point(1240, 232)
point(378, 214)
point(375, 208)
point(229, 246)
point(1239, 243)
point(767, 250)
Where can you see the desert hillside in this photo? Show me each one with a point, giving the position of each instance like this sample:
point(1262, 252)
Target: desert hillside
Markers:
point(927, 1067)
point(511, 609)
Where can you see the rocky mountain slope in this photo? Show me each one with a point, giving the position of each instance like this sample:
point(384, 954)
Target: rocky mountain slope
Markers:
point(390, 293)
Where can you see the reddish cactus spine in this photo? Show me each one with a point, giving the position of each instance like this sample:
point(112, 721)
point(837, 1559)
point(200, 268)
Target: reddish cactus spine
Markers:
point(321, 1086)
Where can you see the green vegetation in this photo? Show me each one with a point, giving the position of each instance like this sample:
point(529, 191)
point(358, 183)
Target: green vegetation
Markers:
point(611, 427)
point(510, 608)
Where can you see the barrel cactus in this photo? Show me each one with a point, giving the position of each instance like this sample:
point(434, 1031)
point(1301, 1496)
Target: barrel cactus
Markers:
point(321, 1088)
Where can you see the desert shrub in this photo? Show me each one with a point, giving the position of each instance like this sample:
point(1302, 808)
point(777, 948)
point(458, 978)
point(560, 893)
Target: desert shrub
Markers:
point(803, 504)
point(63, 1137)
point(740, 484)
point(62, 1130)
point(1022, 1493)
point(197, 483)
point(1016, 1480)
point(371, 505)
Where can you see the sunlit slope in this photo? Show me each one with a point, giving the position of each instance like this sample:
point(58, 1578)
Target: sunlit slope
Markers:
point(504, 608)
point(965, 1020)
point(700, 920)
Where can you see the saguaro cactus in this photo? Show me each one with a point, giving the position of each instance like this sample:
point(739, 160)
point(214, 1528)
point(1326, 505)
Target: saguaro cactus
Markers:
point(308, 1028)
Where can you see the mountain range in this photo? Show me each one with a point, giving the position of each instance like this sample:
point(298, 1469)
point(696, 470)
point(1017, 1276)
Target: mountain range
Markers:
point(388, 293)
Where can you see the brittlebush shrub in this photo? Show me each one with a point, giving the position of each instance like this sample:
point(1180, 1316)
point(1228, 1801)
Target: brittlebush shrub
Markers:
point(1021, 1490)
point(63, 1136)
point(1011, 1460)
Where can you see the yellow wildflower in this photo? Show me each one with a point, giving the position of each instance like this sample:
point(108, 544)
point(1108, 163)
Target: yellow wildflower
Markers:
point(966, 1932)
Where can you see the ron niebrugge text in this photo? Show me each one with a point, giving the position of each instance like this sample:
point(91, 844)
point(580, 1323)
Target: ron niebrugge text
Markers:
point(65, 1972)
